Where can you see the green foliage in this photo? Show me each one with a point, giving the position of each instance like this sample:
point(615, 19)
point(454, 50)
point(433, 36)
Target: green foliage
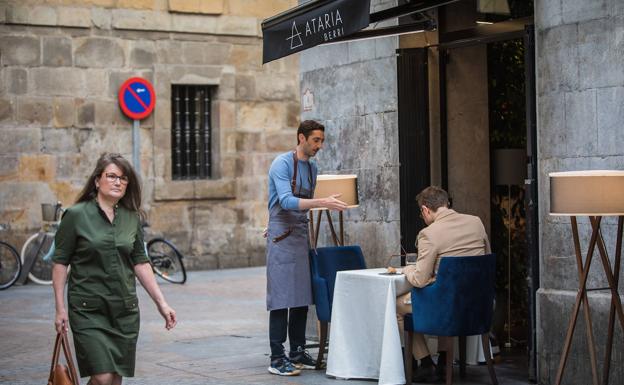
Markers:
point(507, 94)
point(507, 116)
point(520, 8)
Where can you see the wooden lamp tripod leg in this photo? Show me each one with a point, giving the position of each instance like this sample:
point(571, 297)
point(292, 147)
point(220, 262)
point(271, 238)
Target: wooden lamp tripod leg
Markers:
point(613, 278)
point(616, 271)
point(581, 294)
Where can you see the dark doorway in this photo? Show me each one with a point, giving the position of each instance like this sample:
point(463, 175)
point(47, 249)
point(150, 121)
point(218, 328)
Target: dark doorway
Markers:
point(414, 171)
point(507, 121)
point(485, 83)
point(512, 162)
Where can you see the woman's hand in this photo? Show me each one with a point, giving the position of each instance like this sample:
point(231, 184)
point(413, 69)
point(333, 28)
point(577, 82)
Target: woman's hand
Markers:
point(61, 321)
point(145, 275)
point(169, 315)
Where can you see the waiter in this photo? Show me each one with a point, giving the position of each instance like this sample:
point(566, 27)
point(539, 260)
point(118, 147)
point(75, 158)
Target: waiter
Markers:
point(292, 178)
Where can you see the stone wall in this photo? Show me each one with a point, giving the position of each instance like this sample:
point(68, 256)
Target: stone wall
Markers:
point(355, 96)
point(580, 93)
point(61, 65)
point(468, 133)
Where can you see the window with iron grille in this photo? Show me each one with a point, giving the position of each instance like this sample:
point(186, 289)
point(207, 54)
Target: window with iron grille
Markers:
point(191, 132)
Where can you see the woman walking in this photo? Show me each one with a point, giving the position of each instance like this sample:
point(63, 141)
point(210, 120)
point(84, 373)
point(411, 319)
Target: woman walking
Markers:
point(101, 238)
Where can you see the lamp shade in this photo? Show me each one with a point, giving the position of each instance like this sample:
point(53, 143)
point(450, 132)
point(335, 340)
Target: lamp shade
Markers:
point(592, 192)
point(509, 166)
point(346, 185)
point(500, 7)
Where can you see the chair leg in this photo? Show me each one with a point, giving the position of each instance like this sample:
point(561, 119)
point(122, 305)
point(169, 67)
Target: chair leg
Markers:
point(322, 343)
point(449, 360)
point(462, 357)
point(407, 359)
point(485, 340)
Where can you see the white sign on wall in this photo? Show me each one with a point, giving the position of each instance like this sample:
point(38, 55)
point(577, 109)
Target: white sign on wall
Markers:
point(308, 100)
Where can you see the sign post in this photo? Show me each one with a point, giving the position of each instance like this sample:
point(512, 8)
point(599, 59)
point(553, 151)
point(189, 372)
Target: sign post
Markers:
point(137, 100)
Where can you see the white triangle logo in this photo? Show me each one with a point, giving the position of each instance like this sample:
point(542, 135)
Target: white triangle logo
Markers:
point(295, 37)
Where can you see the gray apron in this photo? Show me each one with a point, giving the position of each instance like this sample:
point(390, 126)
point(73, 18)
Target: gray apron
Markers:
point(288, 265)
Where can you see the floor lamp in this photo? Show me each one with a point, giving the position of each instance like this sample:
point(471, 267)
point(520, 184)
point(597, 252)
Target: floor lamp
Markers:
point(327, 185)
point(510, 170)
point(595, 194)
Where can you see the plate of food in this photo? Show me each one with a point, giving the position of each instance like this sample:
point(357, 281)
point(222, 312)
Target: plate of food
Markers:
point(391, 271)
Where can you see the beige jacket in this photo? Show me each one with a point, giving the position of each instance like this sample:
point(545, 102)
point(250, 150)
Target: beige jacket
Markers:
point(451, 234)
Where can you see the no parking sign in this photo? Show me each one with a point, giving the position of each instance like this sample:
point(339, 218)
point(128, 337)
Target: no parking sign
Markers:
point(137, 98)
point(137, 101)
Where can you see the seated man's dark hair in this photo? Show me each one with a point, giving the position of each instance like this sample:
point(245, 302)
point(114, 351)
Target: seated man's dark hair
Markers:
point(433, 197)
point(307, 126)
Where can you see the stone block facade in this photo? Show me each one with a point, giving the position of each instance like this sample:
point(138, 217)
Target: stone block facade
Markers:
point(361, 135)
point(579, 90)
point(61, 65)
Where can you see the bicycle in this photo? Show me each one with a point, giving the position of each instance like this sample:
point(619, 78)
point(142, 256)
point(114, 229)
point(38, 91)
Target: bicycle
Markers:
point(166, 260)
point(38, 249)
point(10, 263)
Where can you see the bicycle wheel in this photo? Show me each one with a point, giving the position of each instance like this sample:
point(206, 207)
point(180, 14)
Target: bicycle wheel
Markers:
point(39, 249)
point(166, 260)
point(10, 265)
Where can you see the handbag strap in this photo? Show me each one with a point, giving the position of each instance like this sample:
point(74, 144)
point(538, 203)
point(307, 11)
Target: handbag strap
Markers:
point(55, 356)
point(62, 341)
point(69, 359)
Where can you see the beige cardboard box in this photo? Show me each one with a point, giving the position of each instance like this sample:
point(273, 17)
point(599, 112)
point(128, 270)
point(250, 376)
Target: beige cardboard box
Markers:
point(346, 185)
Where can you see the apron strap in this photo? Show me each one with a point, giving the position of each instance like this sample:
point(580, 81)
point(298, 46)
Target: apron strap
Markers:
point(293, 182)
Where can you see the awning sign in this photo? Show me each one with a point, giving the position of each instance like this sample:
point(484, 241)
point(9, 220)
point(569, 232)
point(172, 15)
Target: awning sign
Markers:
point(311, 24)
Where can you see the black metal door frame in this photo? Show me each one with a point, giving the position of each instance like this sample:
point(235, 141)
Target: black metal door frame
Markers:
point(414, 151)
point(531, 197)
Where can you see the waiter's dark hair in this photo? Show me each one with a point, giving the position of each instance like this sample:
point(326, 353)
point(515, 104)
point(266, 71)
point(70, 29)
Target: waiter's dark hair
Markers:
point(307, 126)
point(132, 199)
point(433, 197)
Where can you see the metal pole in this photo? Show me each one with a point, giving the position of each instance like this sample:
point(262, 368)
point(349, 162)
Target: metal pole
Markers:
point(508, 343)
point(136, 146)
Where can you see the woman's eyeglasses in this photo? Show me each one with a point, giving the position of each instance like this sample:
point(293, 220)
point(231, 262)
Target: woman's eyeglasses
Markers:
point(112, 178)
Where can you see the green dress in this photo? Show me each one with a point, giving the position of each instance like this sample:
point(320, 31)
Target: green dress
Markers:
point(103, 308)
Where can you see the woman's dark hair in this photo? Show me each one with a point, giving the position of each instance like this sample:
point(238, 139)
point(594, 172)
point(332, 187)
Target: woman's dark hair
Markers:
point(307, 126)
point(132, 199)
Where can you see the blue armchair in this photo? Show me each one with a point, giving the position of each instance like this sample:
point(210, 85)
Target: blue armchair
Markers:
point(325, 262)
point(459, 303)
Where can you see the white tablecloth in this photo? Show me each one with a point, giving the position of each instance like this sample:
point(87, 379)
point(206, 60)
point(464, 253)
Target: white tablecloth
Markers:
point(364, 339)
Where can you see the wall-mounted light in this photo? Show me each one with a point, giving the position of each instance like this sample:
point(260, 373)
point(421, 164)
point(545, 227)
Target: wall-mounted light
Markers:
point(500, 7)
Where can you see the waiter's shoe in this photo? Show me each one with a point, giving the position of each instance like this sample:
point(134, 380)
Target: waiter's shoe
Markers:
point(283, 367)
point(302, 360)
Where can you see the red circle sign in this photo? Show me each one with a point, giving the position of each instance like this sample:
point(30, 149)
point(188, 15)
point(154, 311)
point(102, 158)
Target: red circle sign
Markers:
point(137, 98)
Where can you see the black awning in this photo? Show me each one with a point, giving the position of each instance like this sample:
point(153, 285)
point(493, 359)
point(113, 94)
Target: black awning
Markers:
point(311, 24)
point(325, 21)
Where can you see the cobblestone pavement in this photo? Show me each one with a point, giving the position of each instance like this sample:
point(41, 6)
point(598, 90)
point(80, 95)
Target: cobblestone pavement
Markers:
point(221, 337)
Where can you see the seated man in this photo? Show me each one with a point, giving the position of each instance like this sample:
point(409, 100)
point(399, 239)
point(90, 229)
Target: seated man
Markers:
point(448, 233)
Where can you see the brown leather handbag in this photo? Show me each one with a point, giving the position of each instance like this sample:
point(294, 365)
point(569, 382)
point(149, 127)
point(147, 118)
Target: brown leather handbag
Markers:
point(62, 374)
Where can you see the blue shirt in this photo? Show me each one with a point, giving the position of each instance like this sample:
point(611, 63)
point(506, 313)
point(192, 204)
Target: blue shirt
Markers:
point(280, 177)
